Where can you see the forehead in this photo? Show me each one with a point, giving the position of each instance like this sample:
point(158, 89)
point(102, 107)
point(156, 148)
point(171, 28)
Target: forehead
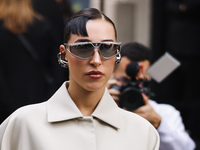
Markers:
point(98, 30)
point(100, 24)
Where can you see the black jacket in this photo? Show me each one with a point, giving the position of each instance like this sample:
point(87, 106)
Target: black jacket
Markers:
point(22, 80)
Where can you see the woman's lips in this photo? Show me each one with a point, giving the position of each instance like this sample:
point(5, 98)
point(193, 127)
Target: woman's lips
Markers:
point(95, 74)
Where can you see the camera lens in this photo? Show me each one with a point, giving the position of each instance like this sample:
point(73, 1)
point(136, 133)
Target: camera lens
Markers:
point(131, 99)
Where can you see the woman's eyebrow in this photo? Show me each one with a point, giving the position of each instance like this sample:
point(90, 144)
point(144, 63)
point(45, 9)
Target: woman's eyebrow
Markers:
point(82, 40)
point(87, 40)
point(107, 40)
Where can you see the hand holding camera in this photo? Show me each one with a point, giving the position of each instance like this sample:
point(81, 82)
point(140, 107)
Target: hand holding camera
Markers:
point(129, 94)
point(133, 94)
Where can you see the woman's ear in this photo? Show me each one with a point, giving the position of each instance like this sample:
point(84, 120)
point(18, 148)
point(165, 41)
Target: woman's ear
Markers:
point(62, 57)
point(63, 52)
point(62, 49)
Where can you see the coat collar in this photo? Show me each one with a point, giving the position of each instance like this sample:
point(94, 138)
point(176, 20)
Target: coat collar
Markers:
point(60, 107)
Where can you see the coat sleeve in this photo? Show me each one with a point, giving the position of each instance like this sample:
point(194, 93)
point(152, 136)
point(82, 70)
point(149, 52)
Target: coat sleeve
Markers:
point(5, 133)
point(154, 137)
point(13, 134)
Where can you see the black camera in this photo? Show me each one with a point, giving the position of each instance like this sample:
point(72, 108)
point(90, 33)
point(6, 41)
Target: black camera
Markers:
point(131, 93)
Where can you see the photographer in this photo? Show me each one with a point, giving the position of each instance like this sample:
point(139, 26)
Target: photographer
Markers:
point(165, 118)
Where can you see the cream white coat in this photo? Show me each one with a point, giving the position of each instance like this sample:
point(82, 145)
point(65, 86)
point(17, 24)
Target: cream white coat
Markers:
point(57, 124)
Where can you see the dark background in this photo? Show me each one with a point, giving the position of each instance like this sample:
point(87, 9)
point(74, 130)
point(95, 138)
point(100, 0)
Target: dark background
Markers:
point(177, 31)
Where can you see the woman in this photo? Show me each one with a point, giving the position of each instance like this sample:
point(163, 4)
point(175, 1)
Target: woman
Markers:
point(81, 114)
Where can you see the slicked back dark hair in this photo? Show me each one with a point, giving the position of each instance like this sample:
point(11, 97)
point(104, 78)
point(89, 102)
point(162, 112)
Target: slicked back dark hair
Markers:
point(136, 52)
point(77, 23)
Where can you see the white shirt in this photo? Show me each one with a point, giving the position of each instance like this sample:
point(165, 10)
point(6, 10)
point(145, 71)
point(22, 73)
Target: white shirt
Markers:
point(57, 124)
point(171, 130)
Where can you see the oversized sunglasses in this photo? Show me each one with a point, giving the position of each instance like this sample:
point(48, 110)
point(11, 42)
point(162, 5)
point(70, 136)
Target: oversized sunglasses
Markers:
point(85, 50)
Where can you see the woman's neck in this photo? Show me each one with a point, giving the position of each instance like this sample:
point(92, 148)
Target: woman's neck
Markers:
point(85, 100)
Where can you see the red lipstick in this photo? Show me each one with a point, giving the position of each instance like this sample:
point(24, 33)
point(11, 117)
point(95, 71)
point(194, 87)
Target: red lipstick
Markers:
point(95, 74)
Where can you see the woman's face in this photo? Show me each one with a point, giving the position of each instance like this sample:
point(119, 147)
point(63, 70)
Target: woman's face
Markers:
point(93, 73)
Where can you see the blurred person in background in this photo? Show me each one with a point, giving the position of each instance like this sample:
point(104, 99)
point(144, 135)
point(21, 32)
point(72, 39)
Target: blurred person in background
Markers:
point(165, 118)
point(29, 71)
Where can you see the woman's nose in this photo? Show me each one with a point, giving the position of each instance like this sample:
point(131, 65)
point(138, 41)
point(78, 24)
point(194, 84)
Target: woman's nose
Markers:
point(96, 58)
